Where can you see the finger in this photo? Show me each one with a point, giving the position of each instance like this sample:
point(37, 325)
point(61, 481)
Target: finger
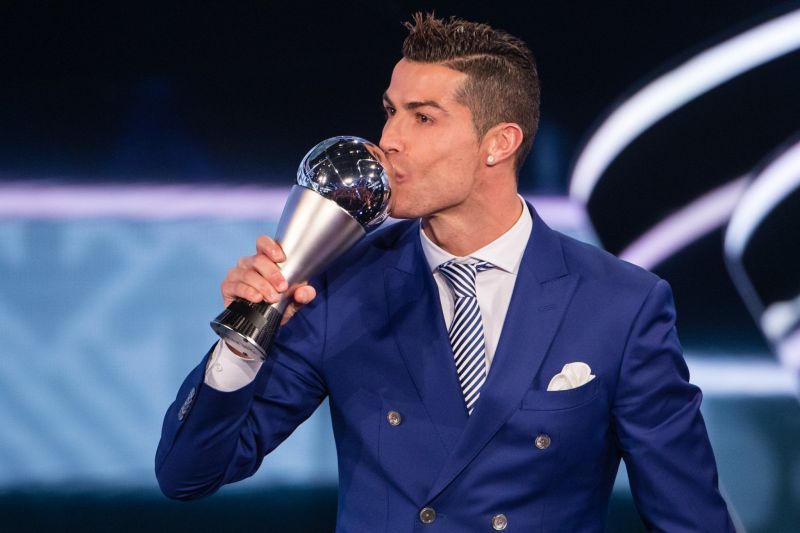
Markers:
point(270, 272)
point(245, 262)
point(304, 294)
point(262, 285)
point(258, 263)
point(270, 248)
point(233, 290)
point(252, 279)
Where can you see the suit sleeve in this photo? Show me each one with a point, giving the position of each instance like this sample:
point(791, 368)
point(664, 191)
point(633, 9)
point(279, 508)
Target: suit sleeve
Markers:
point(660, 430)
point(210, 437)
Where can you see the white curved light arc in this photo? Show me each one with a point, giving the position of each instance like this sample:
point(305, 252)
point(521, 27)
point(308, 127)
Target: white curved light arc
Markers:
point(789, 350)
point(703, 72)
point(685, 226)
point(771, 186)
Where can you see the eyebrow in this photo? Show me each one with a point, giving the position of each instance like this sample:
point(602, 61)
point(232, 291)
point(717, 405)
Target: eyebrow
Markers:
point(416, 105)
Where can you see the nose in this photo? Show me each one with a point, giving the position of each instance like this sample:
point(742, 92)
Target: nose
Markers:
point(390, 137)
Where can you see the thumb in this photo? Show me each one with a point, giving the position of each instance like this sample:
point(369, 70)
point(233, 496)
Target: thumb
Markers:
point(301, 296)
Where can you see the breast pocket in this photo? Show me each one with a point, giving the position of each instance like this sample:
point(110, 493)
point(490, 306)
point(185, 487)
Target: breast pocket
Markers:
point(541, 400)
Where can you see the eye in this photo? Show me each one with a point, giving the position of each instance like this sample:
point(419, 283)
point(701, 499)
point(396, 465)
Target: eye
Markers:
point(389, 111)
point(424, 119)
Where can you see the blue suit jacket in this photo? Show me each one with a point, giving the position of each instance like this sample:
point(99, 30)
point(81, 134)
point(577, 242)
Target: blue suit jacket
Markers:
point(374, 341)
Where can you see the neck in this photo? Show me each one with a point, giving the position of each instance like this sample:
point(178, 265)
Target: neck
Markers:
point(464, 229)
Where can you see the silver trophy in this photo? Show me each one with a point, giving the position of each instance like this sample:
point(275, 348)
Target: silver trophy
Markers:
point(342, 193)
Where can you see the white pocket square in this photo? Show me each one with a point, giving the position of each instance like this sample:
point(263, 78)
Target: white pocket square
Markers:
point(573, 375)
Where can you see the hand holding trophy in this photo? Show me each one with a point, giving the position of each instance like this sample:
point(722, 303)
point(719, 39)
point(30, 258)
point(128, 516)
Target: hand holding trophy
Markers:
point(342, 192)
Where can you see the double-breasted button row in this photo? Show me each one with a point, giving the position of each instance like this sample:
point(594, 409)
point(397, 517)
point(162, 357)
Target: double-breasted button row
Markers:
point(427, 515)
point(499, 522)
point(394, 418)
point(542, 441)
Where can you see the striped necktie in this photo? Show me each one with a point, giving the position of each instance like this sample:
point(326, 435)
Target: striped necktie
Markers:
point(466, 330)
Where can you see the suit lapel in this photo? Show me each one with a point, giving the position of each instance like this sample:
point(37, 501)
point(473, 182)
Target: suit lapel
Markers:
point(542, 292)
point(415, 317)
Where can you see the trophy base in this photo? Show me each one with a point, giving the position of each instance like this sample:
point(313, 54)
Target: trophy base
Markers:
point(248, 327)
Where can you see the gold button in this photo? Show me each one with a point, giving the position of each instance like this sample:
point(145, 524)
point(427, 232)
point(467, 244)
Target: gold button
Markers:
point(394, 418)
point(499, 522)
point(542, 441)
point(427, 515)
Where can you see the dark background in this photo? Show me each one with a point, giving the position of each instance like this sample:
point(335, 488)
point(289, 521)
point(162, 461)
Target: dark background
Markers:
point(239, 91)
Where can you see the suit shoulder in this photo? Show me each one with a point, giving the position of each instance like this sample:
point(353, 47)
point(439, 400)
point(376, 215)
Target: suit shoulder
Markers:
point(597, 265)
point(372, 247)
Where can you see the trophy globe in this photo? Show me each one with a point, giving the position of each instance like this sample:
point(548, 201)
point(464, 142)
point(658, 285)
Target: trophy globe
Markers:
point(342, 193)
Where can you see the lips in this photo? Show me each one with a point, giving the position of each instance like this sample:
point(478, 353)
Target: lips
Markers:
point(395, 172)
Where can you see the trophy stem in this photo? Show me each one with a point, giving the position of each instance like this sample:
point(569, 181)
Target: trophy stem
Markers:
point(313, 231)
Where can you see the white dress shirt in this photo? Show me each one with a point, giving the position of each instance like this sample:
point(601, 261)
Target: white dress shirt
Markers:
point(493, 287)
point(228, 372)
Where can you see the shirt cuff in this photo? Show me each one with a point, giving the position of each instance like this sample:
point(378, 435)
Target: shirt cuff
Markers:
point(227, 372)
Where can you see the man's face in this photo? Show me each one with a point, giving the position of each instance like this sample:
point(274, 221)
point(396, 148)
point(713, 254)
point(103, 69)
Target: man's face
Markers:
point(430, 139)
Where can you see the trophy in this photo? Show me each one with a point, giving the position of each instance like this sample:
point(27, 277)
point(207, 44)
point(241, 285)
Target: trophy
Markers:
point(342, 192)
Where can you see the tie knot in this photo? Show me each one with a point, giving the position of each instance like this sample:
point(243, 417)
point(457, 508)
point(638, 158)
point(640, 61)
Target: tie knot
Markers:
point(461, 276)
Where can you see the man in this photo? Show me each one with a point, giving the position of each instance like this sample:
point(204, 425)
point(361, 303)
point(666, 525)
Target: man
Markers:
point(437, 340)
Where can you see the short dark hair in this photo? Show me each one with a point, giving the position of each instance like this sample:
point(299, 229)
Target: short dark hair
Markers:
point(502, 84)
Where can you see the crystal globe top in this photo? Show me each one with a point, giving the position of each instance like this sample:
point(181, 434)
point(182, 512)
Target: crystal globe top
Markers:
point(352, 172)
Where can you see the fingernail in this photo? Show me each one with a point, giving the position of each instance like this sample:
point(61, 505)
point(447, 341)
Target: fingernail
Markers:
point(282, 286)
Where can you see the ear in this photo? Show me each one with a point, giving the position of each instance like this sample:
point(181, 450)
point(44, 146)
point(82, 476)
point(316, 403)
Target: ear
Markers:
point(500, 143)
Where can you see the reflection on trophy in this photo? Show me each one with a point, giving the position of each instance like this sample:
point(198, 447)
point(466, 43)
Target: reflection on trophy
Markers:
point(342, 192)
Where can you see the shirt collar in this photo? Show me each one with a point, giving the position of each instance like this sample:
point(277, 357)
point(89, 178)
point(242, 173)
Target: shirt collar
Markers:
point(505, 252)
